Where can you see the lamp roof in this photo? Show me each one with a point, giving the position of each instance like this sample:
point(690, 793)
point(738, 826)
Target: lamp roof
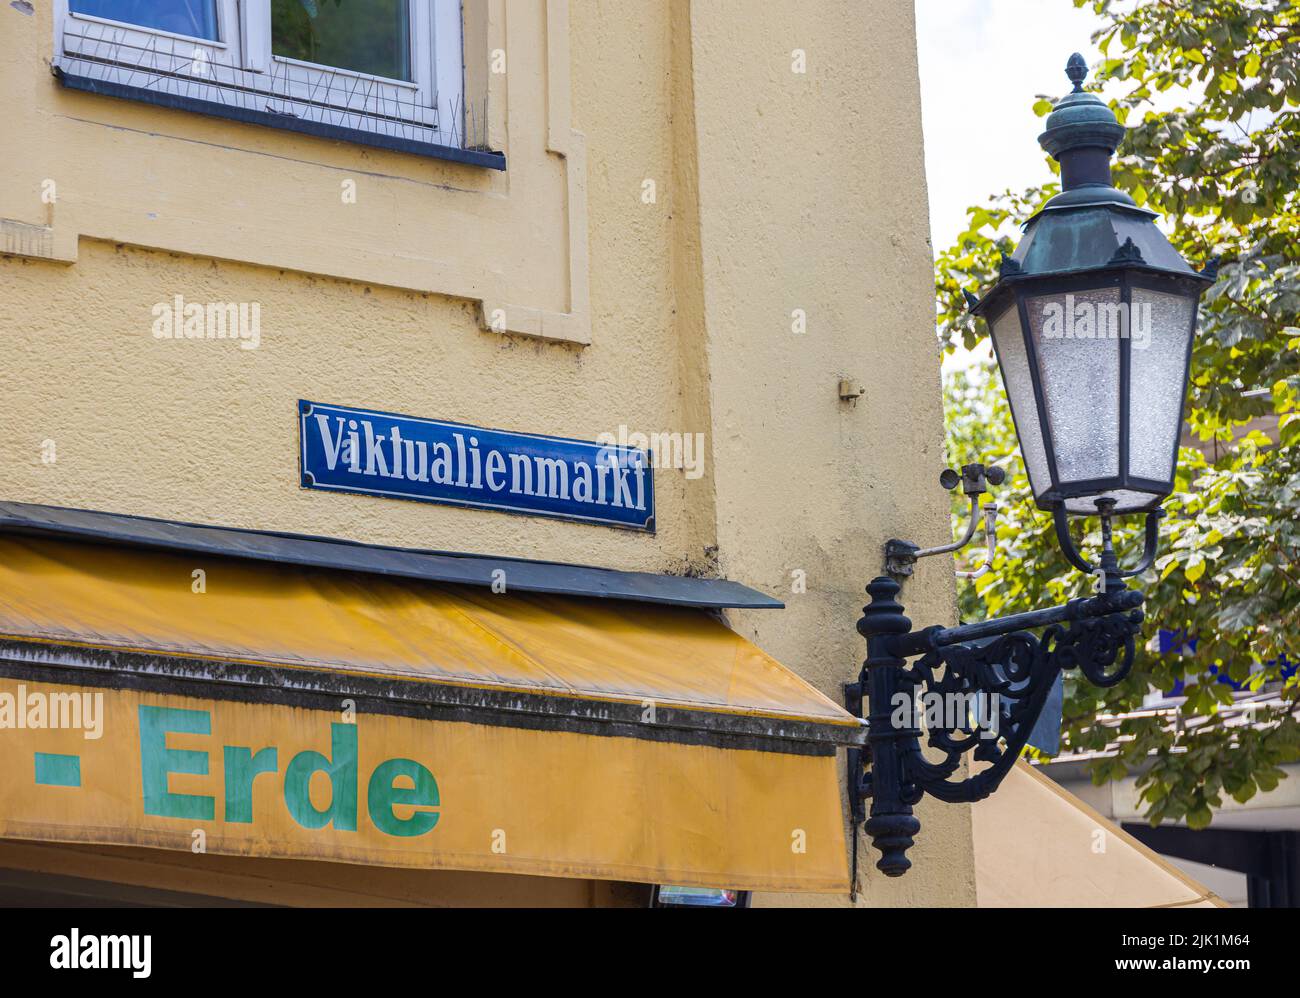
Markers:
point(1090, 225)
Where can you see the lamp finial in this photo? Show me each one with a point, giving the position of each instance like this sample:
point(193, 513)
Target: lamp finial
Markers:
point(1082, 134)
point(1076, 69)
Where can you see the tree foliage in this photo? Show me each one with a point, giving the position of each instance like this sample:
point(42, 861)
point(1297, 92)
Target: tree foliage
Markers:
point(1221, 167)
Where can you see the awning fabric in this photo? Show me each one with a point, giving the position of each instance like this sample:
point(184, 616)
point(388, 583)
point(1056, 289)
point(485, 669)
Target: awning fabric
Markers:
point(289, 711)
point(1039, 846)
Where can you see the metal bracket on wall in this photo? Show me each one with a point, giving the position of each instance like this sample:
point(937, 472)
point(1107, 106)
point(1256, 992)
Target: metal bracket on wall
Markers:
point(901, 556)
point(976, 688)
point(974, 691)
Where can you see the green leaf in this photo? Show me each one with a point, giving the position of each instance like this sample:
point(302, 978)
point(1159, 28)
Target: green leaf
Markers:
point(1199, 817)
point(1226, 179)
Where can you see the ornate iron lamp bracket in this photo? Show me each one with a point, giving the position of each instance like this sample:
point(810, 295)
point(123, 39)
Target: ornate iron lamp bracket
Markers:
point(973, 690)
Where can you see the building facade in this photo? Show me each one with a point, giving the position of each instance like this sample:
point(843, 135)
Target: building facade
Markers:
point(688, 221)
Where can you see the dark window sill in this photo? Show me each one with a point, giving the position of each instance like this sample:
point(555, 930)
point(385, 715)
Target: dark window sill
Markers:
point(472, 157)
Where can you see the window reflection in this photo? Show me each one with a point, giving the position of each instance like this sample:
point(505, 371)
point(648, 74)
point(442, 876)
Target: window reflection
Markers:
point(366, 36)
point(196, 18)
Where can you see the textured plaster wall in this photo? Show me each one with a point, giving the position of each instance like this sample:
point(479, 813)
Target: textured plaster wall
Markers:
point(775, 191)
point(219, 211)
point(812, 197)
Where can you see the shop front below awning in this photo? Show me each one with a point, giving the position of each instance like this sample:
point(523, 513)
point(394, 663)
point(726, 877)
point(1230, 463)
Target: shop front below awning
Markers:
point(168, 686)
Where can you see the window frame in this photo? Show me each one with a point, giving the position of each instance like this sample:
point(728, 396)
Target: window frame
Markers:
point(242, 72)
point(97, 46)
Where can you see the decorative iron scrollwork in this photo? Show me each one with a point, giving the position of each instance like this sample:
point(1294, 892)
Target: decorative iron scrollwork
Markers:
point(990, 682)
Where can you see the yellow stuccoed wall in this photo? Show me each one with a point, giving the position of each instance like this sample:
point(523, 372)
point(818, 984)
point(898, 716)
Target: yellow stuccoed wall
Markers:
point(775, 191)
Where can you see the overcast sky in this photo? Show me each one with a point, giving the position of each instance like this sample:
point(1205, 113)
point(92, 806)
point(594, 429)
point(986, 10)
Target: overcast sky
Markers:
point(982, 62)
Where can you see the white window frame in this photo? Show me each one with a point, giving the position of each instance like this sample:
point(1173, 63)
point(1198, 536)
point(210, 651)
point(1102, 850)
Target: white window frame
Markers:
point(240, 69)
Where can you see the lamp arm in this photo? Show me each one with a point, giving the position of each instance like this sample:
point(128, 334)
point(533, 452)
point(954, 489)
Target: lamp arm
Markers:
point(1066, 542)
point(1150, 544)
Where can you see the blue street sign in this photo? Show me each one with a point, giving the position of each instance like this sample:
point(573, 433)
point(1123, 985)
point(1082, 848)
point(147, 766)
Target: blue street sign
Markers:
point(403, 457)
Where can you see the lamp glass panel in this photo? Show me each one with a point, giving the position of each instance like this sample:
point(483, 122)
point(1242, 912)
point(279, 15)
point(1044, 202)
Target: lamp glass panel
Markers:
point(1013, 360)
point(1161, 326)
point(1077, 338)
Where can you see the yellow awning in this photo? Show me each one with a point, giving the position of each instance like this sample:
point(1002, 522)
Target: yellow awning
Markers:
point(408, 723)
point(1039, 846)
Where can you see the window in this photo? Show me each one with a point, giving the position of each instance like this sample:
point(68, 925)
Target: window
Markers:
point(374, 41)
point(378, 69)
point(665, 896)
point(196, 19)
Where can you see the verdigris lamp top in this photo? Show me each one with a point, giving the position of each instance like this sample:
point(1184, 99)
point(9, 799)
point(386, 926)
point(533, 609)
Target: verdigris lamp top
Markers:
point(1080, 120)
point(1090, 226)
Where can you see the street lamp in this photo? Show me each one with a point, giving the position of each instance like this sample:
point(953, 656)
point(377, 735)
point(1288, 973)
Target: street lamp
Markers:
point(1092, 319)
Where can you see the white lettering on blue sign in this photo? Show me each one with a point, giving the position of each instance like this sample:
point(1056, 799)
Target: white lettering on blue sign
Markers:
point(404, 457)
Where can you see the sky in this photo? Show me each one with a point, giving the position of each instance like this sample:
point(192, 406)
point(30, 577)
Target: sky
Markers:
point(983, 63)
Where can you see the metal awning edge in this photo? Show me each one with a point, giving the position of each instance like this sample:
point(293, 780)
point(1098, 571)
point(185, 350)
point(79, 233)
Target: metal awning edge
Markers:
point(524, 575)
point(322, 689)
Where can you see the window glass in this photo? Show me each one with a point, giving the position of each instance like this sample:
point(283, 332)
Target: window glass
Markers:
point(196, 18)
point(697, 897)
point(366, 36)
